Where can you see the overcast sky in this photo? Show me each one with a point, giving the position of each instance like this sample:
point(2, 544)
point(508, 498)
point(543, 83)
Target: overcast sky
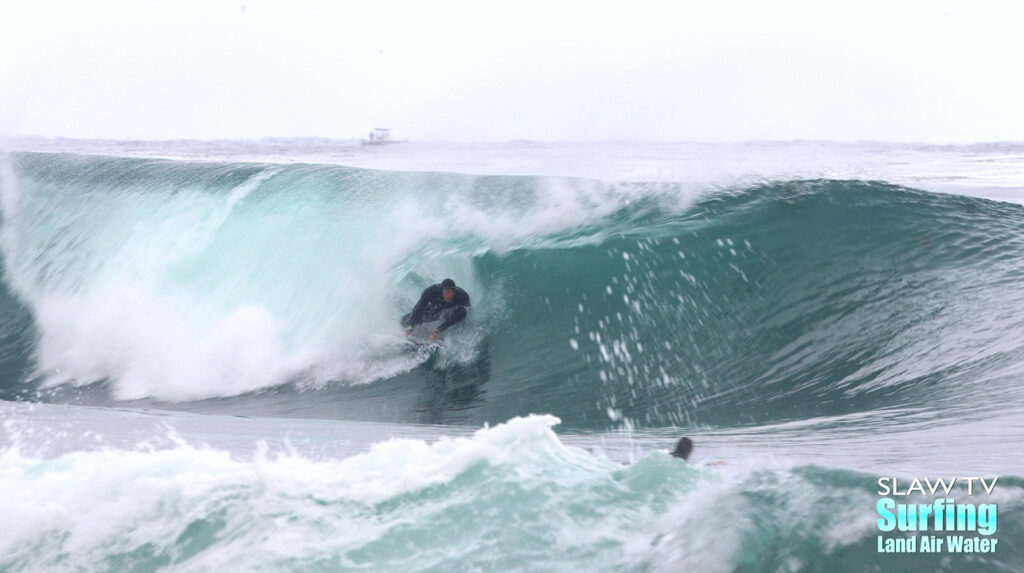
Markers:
point(935, 71)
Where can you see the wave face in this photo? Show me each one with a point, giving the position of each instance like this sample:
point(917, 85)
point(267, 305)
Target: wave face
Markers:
point(814, 334)
point(173, 281)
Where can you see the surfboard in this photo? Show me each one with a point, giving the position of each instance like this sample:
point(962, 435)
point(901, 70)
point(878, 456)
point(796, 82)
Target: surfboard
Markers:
point(423, 343)
point(420, 338)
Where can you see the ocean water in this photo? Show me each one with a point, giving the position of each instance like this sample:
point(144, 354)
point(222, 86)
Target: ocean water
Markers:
point(201, 368)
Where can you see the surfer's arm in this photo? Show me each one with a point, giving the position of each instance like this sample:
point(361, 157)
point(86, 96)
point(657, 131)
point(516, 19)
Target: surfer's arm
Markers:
point(454, 317)
point(416, 316)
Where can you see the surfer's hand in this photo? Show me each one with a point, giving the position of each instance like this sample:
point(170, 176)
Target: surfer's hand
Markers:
point(433, 334)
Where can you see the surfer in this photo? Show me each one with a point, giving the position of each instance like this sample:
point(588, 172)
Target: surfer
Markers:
point(683, 448)
point(443, 300)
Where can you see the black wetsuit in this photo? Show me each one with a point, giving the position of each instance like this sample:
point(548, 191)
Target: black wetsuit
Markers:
point(433, 306)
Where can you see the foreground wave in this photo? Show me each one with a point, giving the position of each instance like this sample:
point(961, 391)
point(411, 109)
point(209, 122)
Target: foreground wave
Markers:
point(511, 497)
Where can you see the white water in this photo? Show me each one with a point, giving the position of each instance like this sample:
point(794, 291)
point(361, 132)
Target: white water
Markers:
point(102, 489)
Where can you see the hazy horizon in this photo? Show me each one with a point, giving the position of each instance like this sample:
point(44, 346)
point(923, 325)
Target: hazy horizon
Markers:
point(356, 139)
point(917, 72)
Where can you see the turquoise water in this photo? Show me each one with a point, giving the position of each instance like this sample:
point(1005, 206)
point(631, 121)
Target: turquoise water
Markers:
point(207, 354)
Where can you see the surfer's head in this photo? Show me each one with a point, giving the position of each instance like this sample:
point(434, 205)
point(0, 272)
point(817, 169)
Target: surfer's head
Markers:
point(683, 448)
point(448, 289)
